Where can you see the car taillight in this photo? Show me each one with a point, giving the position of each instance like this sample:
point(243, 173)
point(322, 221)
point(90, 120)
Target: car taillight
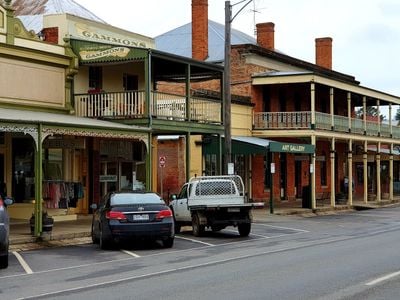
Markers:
point(167, 213)
point(115, 215)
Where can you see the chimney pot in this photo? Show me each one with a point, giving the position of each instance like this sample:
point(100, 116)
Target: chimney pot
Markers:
point(266, 35)
point(323, 52)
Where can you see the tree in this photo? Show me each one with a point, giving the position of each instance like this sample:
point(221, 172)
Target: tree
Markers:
point(397, 116)
point(372, 111)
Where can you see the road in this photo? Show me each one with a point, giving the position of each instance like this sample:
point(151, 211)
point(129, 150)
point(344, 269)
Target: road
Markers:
point(346, 256)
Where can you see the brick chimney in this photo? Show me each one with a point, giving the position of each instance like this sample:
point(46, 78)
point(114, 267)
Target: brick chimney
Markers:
point(200, 29)
point(323, 52)
point(50, 35)
point(266, 35)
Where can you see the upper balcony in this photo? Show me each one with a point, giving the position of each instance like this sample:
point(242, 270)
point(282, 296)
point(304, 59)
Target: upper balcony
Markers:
point(323, 121)
point(132, 105)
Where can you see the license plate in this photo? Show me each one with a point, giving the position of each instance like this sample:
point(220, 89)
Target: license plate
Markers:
point(234, 209)
point(143, 217)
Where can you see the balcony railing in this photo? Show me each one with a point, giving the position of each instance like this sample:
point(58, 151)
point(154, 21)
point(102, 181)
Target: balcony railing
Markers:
point(132, 104)
point(323, 121)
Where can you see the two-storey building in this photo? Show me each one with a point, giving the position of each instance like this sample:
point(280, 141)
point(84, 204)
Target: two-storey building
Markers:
point(299, 104)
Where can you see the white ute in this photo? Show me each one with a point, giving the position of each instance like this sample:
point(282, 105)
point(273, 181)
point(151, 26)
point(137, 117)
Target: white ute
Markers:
point(215, 202)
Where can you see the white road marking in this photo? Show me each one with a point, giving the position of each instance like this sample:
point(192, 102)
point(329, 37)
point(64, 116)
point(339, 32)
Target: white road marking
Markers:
point(23, 263)
point(254, 234)
point(194, 241)
point(280, 227)
point(383, 278)
point(130, 253)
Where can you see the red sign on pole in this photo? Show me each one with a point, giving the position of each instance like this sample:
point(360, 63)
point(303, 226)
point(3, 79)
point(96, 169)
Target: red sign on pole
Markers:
point(162, 161)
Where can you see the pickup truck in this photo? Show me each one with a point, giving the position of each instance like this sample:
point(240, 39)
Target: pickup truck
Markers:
point(214, 202)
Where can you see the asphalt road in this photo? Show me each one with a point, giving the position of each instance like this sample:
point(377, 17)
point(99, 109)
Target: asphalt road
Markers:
point(347, 256)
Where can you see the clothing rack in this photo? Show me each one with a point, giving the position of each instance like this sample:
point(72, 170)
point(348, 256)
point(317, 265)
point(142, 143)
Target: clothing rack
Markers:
point(61, 194)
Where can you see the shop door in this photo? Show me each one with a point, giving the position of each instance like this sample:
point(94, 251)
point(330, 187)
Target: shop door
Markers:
point(283, 176)
point(127, 175)
point(297, 178)
point(108, 177)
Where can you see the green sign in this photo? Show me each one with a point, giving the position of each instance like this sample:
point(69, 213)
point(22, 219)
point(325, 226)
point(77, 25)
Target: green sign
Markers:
point(291, 148)
point(89, 52)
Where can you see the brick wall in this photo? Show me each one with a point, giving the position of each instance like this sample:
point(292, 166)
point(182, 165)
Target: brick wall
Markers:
point(174, 172)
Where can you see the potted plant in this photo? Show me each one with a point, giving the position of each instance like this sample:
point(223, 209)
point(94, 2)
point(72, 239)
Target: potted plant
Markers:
point(47, 222)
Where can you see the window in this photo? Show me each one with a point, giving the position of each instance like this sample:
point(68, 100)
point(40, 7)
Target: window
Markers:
point(95, 78)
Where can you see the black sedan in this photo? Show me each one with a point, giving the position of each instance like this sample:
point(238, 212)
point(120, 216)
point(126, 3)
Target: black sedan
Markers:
point(4, 232)
point(130, 215)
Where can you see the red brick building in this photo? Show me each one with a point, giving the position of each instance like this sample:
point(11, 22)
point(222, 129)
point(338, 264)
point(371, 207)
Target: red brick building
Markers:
point(300, 102)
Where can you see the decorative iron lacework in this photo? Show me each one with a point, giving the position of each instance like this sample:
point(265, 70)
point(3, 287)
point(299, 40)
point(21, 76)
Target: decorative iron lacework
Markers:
point(18, 128)
point(92, 133)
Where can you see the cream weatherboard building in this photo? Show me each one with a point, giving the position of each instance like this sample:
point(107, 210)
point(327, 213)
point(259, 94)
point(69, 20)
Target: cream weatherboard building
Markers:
point(82, 104)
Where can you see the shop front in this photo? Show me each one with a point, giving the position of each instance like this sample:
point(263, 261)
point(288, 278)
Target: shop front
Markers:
point(59, 164)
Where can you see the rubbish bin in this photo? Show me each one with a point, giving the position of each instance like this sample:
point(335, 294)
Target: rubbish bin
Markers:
point(306, 196)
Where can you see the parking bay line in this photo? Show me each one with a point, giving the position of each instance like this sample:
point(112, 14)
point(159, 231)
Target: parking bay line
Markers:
point(23, 263)
point(194, 241)
point(383, 278)
point(130, 253)
point(280, 227)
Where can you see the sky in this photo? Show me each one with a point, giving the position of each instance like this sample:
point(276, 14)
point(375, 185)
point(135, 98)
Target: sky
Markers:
point(365, 33)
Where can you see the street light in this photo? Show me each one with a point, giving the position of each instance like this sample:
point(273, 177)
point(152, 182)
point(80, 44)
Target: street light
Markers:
point(227, 79)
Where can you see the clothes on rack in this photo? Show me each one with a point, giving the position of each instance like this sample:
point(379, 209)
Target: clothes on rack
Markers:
point(61, 194)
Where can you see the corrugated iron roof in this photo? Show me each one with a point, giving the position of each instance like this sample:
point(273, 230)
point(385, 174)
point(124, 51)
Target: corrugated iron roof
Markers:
point(31, 12)
point(182, 40)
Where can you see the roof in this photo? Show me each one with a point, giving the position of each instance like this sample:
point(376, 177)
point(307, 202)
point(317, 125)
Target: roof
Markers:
point(31, 12)
point(179, 40)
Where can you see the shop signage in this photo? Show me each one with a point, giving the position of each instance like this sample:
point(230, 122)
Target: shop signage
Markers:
point(291, 148)
point(112, 52)
point(93, 33)
point(64, 143)
point(108, 178)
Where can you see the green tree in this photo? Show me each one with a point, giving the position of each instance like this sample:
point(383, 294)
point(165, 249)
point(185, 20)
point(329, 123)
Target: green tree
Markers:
point(372, 111)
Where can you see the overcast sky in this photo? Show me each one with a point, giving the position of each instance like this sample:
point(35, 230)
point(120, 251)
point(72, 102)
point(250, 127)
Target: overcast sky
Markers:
point(366, 33)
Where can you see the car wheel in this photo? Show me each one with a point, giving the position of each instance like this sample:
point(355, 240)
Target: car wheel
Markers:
point(95, 239)
point(198, 229)
point(168, 243)
point(244, 229)
point(4, 261)
point(105, 243)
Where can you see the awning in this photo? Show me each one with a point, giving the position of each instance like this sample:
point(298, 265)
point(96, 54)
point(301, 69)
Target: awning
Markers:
point(252, 145)
point(15, 120)
point(92, 52)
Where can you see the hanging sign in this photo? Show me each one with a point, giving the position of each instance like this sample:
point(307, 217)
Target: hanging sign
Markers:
point(161, 161)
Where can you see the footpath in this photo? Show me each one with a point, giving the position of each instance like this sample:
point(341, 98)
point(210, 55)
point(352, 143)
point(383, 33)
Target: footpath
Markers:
point(78, 231)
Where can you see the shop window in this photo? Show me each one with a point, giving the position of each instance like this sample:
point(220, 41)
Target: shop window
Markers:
point(53, 164)
point(23, 182)
point(210, 164)
point(239, 162)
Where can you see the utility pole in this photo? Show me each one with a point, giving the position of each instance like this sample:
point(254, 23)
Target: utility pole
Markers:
point(227, 80)
point(227, 86)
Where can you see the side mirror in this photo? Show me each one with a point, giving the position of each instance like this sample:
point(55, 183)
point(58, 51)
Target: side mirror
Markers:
point(93, 206)
point(8, 201)
point(173, 197)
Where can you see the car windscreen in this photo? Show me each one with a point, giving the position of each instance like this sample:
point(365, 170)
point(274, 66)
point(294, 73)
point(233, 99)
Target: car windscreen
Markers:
point(131, 198)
